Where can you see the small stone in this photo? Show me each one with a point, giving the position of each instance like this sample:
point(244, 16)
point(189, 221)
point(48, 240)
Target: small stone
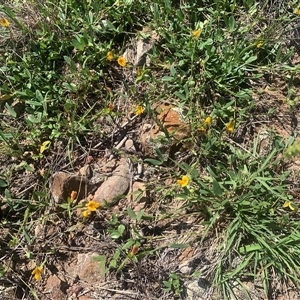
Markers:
point(86, 171)
point(196, 289)
point(55, 287)
point(87, 268)
point(171, 119)
point(74, 290)
point(114, 186)
point(62, 184)
point(129, 145)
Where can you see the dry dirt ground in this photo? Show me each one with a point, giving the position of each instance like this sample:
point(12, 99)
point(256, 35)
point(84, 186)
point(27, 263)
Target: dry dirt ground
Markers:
point(69, 244)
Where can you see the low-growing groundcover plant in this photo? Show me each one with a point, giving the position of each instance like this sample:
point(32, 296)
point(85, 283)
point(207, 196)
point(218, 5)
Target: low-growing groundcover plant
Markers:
point(66, 86)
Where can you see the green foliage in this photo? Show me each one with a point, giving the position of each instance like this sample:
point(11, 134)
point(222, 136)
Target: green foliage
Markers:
point(56, 84)
point(246, 195)
point(173, 285)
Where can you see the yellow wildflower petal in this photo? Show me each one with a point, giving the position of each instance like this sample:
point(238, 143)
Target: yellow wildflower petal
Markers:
point(196, 33)
point(93, 205)
point(122, 61)
point(44, 146)
point(139, 109)
point(230, 126)
point(297, 10)
point(110, 56)
point(85, 213)
point(259, 44)
point(208, 121)
point(4, 22)
point(184, 181)
point(288, 204)
point(37, 272)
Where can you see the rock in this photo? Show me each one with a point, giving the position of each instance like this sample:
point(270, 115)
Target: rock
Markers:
point(196, 289)
point(137, 53)
point(55, 288)
point(87, 269)
point(74, 290)
point(86, 171)
point(62, 184)
point(169, 118)
point(186, 259)
point(114, 186)
point(129, 145)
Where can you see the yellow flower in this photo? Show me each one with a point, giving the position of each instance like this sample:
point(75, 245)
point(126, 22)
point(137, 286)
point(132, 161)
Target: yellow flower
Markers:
point(259, 44)
point(122, 61)
point(196, 33)
point(110, 56)
point(4, 22)
point(92, 205)
point(139, 109)
point(37, 272)
point(288, 204)
point(230, 126)
point(208, 121)
point(297, 10)
point(184, 181)
point(86, 213)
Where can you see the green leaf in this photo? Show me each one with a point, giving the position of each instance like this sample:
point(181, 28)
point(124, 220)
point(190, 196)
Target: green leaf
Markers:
point(129, 244)
point(179, 246)
point(113, 233)
point(131, 213)
point(154, 162)
point(11, 110)
point(140, 215)
point(112, 263)
point(39, 96)
point(217, 188)
point(3, 183)
point(121, 229)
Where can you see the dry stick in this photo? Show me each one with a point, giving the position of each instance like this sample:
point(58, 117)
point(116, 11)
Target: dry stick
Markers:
point(121, 143)
point(119, 291)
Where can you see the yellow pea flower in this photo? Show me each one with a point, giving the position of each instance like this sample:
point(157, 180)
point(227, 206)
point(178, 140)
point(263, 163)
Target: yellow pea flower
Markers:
point(92, 205)
point(230, 126)
point(122, 61)
point(139, 109)
point(110, 56)
point(259, 44)
point(288, 204)
point(37, 272)
point(208, 120)
point(196, 33)
point(4, 22)
point(184, 181)
point(86, 213)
